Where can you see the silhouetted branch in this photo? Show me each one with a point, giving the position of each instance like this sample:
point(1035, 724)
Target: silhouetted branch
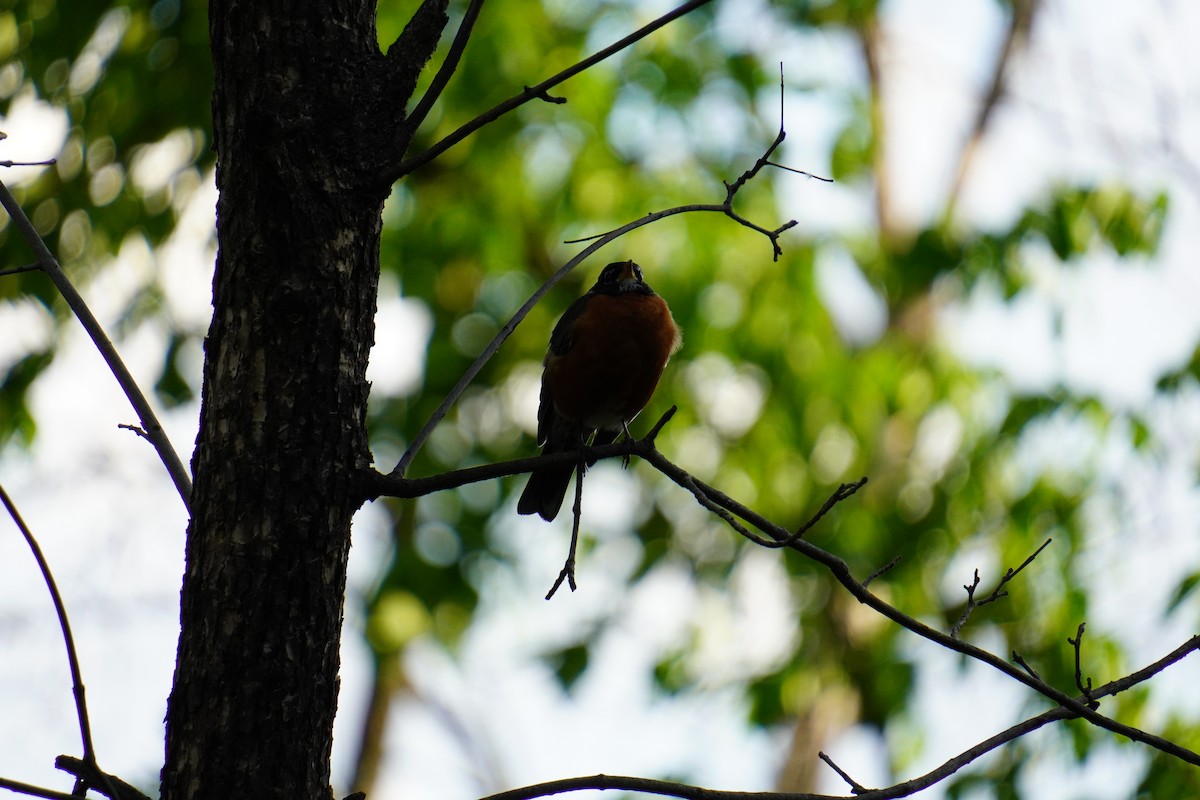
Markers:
point(444, 72)
point(48, 264)
point(996, 594)
point(91, 777)
point(886, 568)
point(855, 786)
point(903, 789)
point(731, 189)
point(1086, 690)
point(841, 572)
point(18, 787)
point(393, 172)
point(64, 624)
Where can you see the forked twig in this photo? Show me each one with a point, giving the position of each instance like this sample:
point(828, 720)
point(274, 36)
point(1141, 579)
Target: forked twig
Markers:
point(996, 594)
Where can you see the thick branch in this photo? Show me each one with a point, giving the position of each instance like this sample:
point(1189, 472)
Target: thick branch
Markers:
point(93, 777)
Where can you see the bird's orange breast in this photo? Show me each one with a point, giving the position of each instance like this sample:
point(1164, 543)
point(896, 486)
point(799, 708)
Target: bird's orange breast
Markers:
point(619, 347)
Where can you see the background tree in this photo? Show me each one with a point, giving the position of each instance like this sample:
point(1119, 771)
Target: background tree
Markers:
point(835, 393)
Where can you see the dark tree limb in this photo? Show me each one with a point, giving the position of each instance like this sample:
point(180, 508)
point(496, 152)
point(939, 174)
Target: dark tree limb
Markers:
point(400, 167)
point(92, 777)
point(64, 624)
point(17, 787)
point(48, 264)
point(904, 789)
point(444, 73)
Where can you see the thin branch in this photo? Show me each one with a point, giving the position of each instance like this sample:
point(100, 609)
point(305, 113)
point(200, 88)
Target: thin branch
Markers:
point(34, 791)
point(840, 494)
point(841, 572)
point(996, 594)
point(64, 623)
point(444, 73)
point(731, 189)
point(568, 570)
point(1086, 691)
point(904, 789)
point(49, 264)
point(881, 571)
point(395, 171)
point(855, 786)
point(46, 163)
point(19, 270)
point(1019, 660)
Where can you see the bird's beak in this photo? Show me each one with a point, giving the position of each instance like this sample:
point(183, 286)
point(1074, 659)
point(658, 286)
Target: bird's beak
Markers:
point(627, 273)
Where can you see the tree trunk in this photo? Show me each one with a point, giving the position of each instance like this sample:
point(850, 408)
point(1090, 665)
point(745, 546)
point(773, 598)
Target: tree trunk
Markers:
point(303, 104)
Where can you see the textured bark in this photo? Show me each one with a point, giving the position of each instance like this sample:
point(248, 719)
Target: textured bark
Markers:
point(301, 94)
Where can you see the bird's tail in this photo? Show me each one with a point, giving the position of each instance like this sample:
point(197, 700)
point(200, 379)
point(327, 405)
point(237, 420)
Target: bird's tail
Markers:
point(545, 491)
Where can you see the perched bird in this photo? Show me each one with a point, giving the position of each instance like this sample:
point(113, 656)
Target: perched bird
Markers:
point(606, 355)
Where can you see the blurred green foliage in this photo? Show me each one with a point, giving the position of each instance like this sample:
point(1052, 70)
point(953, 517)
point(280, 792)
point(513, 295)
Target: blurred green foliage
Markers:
point(473, 233)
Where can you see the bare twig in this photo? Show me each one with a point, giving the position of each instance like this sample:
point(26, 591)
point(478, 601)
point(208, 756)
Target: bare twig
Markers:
point(64, 623)
point(19, 270)
point(855, 786)
point(731, 190)
point(393, 172)
point(881, 571)
point(48, 162)
point(996, 594)
point(904, 789)
point(49, 265)
point(1086, 691)
point(17, 787)
point(134, 429)
point(1023, 664)
point(840, 494)
point(841, 572)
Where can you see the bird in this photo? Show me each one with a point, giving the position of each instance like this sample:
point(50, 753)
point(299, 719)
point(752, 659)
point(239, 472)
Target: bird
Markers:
point(606, 355)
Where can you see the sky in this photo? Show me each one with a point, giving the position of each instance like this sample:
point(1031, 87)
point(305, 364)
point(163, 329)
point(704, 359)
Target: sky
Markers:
point(1108, 94)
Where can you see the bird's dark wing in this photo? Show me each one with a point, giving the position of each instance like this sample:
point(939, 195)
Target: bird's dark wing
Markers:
point(560, 337)
point(561, 340)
